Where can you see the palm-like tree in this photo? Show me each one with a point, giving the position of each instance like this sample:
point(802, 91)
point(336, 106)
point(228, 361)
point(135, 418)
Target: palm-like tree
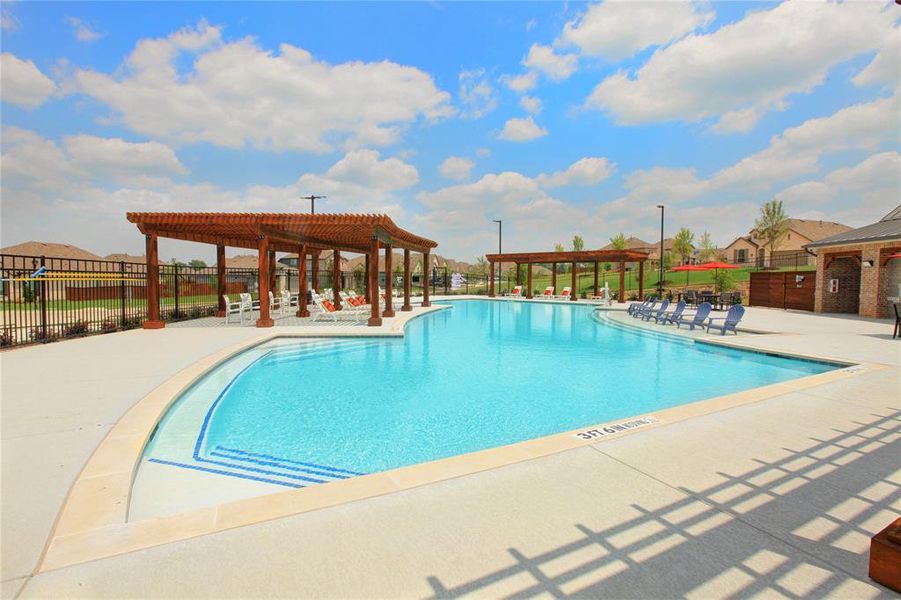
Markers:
point(618, 241)
point(771, 225)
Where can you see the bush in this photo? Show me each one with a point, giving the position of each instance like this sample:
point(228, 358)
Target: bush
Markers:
point(6, 339)
point(77, 329)
point(132, 322)
point(38, 335)
point(174, 315)
point(108, 326)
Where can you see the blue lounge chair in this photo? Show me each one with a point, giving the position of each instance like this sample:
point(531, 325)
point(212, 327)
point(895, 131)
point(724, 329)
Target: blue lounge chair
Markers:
point(636, 305)
point(674, 316)
point(730, 321)
point(696, 319)
point(656, 314)
point(642, 310)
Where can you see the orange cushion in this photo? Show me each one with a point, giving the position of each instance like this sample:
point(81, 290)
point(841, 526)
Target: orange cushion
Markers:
point(328, 306)
point(565, 293)
point(547, 292)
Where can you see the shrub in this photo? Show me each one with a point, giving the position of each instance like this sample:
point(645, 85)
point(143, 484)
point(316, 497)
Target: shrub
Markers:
point(132, 322)
point(77, 329)
point(6, 339)
point(108, 326)
point(38, 335)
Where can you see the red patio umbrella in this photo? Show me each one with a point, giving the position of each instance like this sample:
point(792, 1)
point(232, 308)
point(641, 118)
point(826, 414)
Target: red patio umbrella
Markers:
point(716, 265)
point(688, 268)
point(895, 255)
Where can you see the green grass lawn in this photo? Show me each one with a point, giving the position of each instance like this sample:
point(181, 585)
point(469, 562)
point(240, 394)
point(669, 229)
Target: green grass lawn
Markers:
point(167, 303)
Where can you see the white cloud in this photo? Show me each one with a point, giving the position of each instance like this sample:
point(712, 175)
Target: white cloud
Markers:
point(585, 171)
point(8, 20)
point(863, 192)
point(521, 83)
point(521, 130)
point(483, 152)
point(23, 84)
point(531, 104)
point(754, 63)
point(546, 60)
point(885, 68)
point(83, 33)
point(121, 161)
point(476, 94)
point(737, 121)
point(235, 94)
point(456, 167)
point(532, 218)
point(616, 30)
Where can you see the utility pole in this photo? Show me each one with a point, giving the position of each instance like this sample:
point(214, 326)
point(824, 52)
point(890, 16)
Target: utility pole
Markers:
point(500, 250)
point(660, 279)
point(312, 198)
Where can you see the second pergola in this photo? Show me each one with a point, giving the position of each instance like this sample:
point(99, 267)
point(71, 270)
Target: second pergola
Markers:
point(574, 259)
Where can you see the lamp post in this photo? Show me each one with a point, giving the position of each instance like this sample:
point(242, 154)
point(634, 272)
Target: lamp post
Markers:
point(313, 198)
point(500, 238)
point(660, 279)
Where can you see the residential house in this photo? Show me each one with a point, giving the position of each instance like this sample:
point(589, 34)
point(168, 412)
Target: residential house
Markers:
point(790, 251)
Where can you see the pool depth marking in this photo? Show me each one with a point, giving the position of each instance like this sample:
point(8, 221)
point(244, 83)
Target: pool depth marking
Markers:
point(614, 428)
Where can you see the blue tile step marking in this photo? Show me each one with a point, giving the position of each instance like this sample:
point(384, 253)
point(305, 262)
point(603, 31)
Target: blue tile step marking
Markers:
point(307, 353)
point(290, 462)
point(198, 467)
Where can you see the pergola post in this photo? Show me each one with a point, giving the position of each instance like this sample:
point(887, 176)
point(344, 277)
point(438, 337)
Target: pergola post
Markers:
point(425, 289)
point(366, 275)
point(389, 283)
point(153, 284)
point(374, 319)
point(264, 279)
point(490, 279)
point(315, 274)
point(220, 279)
point(518, 274)
point(302, 310)
point(336, 278)
point(573, 294)
point(640, 279)
point(596, 290)
point(408, 281)
point(554, 277)
point(529, 280)
point(622, 282)
point(272, 271)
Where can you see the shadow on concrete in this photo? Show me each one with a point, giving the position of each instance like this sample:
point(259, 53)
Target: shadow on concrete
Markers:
point(796, 527)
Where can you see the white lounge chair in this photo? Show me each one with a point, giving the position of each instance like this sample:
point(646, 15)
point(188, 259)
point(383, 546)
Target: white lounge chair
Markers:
point(548, 292)
point(565, 294)
point(515, 292)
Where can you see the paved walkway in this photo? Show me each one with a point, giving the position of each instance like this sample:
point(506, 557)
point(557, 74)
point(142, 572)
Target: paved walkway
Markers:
point(779, 496)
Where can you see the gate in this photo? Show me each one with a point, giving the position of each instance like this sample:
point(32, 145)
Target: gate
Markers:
point(783, 289)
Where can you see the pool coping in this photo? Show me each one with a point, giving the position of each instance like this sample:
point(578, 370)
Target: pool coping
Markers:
point(93, 522)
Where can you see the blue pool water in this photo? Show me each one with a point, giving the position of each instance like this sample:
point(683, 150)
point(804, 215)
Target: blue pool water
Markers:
point(479, 375)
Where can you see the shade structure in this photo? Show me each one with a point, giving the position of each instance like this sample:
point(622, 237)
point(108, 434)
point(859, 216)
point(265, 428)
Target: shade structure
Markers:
point(895, 255)
point(716, 265)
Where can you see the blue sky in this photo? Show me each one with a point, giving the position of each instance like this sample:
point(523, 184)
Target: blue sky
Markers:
point(561, 119)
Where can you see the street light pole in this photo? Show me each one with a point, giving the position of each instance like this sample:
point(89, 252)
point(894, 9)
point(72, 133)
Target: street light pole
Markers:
point(500, 238)
point(660, 279)
point(313, 198)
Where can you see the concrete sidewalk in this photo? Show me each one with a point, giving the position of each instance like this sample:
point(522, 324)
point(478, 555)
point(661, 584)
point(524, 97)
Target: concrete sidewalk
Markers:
point(779, 496)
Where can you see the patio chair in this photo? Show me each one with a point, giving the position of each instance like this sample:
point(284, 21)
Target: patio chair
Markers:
point(656, 314)
point(897, 332)
point(641, 310)
point(672, 317)
point(234, 308)
point(248, 300)
point(565, 294)
point(691, 297)
point(730, 321)
point(725, 298)
point(275, 305)
point(736, 298)
point(636, 305)
point(696, 319)
point(548, 292)
point(515, 292)
point(286, 300)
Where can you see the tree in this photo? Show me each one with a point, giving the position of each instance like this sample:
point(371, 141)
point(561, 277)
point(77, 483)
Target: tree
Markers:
point(618, 241)
point(683, 244)
point(559, 248)
point(177, 263)
point(708, 249)
point(578, 243)
point(197, 263)
point(771, 225)
point(481, 266)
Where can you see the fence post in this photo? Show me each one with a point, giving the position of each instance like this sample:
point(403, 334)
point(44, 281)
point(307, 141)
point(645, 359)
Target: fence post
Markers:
point(175, 286)
point(43, 288)
point(122, 291)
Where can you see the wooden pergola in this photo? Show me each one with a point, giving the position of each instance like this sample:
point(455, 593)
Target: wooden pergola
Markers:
point(305, 234)
point(574, 259)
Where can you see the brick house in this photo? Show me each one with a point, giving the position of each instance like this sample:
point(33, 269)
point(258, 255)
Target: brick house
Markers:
point(799, 232)
point(855, 271)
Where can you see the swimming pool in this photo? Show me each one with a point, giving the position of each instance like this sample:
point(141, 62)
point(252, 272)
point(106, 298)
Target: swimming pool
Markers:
point(481, 374)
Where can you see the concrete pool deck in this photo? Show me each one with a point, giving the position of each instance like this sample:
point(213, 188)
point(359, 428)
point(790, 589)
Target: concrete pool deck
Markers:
point(777, 495)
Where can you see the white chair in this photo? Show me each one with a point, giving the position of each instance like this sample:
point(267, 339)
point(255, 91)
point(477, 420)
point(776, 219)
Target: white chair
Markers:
point(286, 301)
point(233, 308)
point(515, 292)
point(566, 294)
